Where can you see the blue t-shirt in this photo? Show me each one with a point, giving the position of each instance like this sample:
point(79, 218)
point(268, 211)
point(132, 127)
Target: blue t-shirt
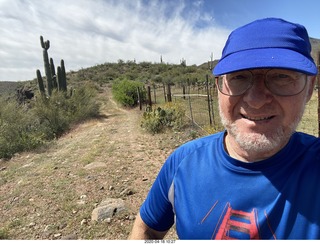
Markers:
point(209, 195)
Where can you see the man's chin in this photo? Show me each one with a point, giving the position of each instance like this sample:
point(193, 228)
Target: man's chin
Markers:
point(258, 143)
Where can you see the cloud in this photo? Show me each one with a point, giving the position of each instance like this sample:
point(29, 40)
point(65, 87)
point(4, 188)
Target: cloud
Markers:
point(85, 33)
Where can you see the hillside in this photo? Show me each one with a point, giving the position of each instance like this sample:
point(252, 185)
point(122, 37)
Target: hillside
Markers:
point(9, 87)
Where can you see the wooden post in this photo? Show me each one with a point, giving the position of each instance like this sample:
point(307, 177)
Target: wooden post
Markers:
point(164, 92)
point(184, 91)
point(154, 93)
point(139, 100)
point(208, 97)
point(169, 98)
point(149, 98)
point(190, 107)
point(211, 103)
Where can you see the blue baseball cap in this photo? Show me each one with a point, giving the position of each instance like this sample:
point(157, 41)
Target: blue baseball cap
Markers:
point(267, 43)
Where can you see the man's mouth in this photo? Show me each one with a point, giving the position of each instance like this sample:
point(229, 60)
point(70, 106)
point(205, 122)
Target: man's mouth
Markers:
point(264, 118)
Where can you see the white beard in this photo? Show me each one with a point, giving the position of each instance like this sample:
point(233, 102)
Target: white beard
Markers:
point(257, 143)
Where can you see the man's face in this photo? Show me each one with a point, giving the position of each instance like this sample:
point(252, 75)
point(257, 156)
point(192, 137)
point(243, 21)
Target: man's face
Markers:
point(259, 122)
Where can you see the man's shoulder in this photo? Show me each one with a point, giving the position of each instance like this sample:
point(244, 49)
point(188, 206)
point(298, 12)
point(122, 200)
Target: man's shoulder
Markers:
point(306, 139)
point(201, 143)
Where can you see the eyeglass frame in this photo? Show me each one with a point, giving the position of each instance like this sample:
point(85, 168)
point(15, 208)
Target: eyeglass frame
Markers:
point(265, 82)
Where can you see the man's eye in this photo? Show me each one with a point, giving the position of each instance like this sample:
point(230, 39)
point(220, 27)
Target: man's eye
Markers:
point(240, 77)
point(283, 76)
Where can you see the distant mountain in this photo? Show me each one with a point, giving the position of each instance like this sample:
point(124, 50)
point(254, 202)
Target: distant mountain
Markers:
point(9, 87)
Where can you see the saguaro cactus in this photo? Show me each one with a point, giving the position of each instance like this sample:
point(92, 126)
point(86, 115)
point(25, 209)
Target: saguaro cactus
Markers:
point(61, 75)
point(40, 82)
point(53, 74)
point(54, 81)
point(45, 46)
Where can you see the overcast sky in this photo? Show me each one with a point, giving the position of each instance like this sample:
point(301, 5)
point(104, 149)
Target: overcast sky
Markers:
point(89, 32)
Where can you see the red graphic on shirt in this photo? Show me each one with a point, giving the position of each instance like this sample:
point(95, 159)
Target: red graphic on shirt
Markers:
point(238, 223)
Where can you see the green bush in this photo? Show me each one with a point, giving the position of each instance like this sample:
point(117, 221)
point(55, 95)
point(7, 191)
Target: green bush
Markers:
point(57, 113)
point(82, 105)
point(4, 234)
point(23, 128)
point(52, 115)
point(18, 130)
point(126, 92)
point(170, 116)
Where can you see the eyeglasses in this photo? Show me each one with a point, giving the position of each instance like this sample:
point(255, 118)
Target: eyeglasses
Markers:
point(279, 82)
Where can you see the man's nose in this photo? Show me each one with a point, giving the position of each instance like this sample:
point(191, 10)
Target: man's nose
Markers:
point(258, 95)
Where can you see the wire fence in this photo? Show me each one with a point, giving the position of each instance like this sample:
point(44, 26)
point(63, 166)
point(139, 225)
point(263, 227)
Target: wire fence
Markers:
point(201, 106)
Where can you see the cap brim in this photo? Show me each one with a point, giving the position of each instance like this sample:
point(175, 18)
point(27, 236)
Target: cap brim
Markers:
point(265, 58)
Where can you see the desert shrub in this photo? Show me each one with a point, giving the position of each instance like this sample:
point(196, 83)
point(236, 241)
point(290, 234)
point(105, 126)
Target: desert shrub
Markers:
point(126, 92)
point(4, 234)
point(23, 128)
point(83, 104)
point(52, 114)
point(171, 115)
point(57, 113)
point(18, 130)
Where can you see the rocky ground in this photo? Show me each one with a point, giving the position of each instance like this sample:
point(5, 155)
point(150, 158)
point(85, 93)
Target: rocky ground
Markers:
point(52, 193)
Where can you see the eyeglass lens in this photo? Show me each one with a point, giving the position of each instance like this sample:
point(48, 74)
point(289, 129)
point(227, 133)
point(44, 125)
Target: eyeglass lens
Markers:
point(279, 82)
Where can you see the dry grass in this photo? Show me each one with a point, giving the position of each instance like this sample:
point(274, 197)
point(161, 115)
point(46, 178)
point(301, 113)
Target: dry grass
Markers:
point(309, 122)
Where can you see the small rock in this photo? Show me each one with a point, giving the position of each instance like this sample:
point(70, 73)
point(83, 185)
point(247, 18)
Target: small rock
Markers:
point(32, 224)
point(107, 209)
point(48, 228)
point(127, 192)
point(81, 202)
point(132, 217)
point(62, 226)
point(57, 235)
point(84, 222)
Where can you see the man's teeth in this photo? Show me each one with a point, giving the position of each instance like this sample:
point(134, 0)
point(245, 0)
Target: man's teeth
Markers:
point(257, 118)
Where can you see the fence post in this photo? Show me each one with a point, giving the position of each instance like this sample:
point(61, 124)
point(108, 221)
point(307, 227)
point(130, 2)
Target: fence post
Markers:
point(164, 92)
point(190, 107)
point(149, 97)
point(211, 103)
point(208, 97)
point(169, 93)
point(139, 100)
point(154, 93)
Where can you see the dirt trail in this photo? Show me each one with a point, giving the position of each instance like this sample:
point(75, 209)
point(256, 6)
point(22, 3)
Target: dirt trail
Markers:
point(50, 194)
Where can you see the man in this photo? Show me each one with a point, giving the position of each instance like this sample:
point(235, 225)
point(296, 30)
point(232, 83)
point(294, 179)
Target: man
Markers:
point(259, 179)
